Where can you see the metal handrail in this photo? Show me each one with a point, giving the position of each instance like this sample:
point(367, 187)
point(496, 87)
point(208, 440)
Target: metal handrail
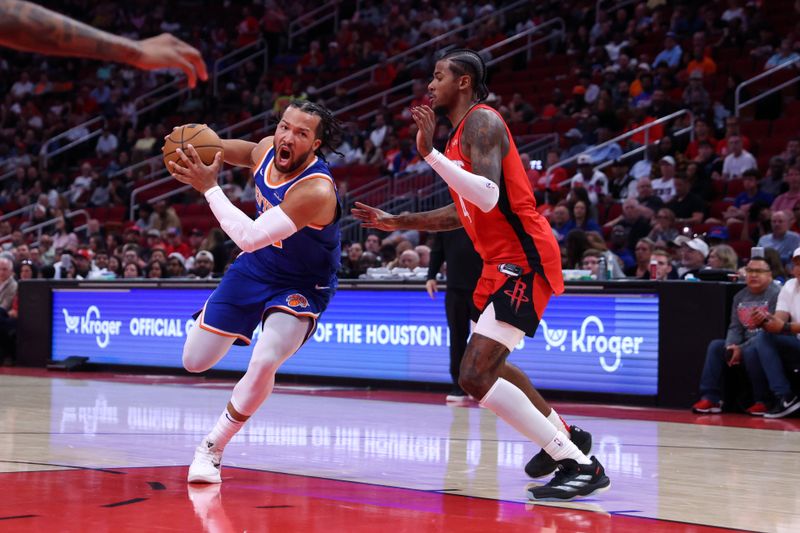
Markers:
point(17, 212)
point(315, 21)
point(639, 149)
point(422, 46)
point(557, 21)
point(547, 139)
point(644, 128)
point(379, 96)
point(45, 154)
point(227, 68)
point(52, 222)
point(738, 94)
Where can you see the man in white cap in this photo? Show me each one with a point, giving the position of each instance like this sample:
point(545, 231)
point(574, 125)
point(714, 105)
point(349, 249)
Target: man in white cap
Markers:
point(664, 187)
point(203, 265)
point(693, 259)
point(593, 180)
point(779, 343)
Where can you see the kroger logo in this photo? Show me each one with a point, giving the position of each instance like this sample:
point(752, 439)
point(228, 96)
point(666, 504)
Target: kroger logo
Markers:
point(585, 342)
point(90, 324)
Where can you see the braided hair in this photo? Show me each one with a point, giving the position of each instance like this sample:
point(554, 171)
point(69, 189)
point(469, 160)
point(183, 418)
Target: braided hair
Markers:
point(464, 61)
point(329, 130)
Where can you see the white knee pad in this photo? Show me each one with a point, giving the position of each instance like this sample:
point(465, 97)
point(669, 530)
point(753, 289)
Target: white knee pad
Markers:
point(505, 334)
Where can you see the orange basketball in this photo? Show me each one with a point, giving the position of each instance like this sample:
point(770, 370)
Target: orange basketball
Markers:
point(201, 137)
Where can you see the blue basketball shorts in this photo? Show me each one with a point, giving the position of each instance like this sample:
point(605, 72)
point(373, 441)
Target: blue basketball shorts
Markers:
point(241, 303)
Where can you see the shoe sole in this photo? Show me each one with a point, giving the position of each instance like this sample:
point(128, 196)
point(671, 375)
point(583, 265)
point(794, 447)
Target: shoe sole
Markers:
point(786, 412)
point(204, 479)
point(707, 411)
point(598, 490)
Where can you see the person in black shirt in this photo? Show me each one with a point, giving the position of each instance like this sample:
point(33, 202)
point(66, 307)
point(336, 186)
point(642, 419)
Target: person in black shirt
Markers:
point(464, 267)
point(689, 208)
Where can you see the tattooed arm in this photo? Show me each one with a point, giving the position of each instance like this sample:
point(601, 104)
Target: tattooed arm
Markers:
point(442, 219)
point(31, 28)
point(485, 142)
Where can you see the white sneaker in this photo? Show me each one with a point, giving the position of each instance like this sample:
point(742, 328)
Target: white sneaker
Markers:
point(206, 466)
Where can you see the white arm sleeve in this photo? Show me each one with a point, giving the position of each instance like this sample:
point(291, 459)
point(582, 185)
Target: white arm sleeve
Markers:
point(476, 189)
point(248, 234)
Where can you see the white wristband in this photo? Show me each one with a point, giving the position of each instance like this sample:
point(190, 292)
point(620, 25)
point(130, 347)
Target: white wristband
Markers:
point(474, 188)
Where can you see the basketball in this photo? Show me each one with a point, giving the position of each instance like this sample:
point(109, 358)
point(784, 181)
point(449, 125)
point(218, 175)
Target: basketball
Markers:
point(204, 139)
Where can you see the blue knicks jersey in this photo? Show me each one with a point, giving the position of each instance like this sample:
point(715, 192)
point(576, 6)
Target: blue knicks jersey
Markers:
point(310, 257)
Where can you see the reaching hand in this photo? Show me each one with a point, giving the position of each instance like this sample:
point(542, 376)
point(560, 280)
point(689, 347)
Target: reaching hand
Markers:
point(167, 51)
point(372, 217)
point(426, 122)
point(194, 172)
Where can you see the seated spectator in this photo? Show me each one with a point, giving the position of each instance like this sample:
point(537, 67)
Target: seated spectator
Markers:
point(594, 181)
point(723, 257)
point(778, 345)
point(664, 270)
point(693, 257)
point(701, 61)
point(81, 185)
point(144, 145)
point(408, 259)
point(649, 202)
point(632, 219)
point(613, 262)
point(618, 245)
point(642, 254)
point(560, 222)
point(601, 154)
point(741, 204)
point(643, 168)
point(579, 218)
point(575, 145)
point(738, 159)
point(106, 144)
point(702, 134)
point(672, 52)
point(792, 152)
point(731, 128)
point(740, 344)
point(351, 264)
point(554, 175)
point(781, 238)
point(621, 184)
point(203, 265)
point(156, 269)
point(695, 96)
point(164, 217)
point(132, 271)
point(784, 54)
point(772, 182)
point(664, 187)
point(788, 200)
point(591, 261)
point(176, 265)
point(688, 207)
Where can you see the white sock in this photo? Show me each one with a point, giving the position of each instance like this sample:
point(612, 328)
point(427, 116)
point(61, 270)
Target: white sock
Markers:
point(224, 430)
point(558, 423)
point(508, 402)
point(562, 448)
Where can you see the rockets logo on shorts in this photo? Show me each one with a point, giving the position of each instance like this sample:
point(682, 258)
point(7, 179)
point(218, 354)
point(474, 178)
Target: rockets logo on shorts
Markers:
point(296, 300)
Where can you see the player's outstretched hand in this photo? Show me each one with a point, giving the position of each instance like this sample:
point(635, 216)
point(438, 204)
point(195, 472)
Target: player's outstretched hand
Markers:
point(372, 217)
point(425, 119)
point(194, 172)
point(167, 51)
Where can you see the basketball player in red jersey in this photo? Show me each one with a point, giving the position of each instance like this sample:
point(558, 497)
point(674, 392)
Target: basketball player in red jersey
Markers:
point(494, 203)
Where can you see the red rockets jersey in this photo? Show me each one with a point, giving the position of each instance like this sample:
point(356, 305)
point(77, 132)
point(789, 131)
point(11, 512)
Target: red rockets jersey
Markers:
point(512, 231)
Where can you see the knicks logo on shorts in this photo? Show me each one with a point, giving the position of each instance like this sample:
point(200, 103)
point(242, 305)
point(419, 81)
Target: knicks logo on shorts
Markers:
point(296, 300)
point(517, 294)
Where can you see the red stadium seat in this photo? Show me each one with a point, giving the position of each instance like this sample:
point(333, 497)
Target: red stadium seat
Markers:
point(742, 248)
point(718, 207)
point(734, 188)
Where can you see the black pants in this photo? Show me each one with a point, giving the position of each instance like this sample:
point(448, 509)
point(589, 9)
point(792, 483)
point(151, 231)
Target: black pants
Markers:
point(458, 306)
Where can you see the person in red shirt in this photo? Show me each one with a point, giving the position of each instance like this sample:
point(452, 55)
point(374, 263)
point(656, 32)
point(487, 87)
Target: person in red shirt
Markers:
point(494, 203)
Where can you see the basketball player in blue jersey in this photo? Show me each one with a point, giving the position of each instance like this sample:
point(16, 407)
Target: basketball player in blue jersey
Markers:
point(286, 273)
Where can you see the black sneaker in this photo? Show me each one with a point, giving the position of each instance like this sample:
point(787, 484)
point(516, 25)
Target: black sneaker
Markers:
point(784, 407)
point(573, 480)
point(457, 395)
point(543, 465)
